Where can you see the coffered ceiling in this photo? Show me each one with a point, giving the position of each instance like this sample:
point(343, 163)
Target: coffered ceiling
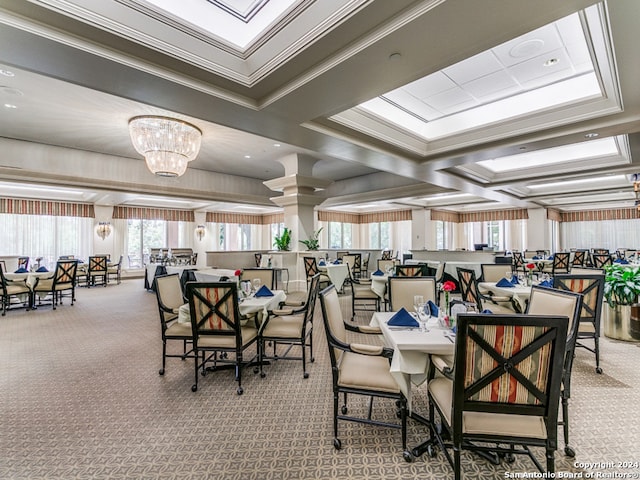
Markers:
point(453, 104)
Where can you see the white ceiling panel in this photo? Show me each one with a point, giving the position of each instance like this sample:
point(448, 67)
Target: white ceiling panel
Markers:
point(474, 67)
point(493, 86)
point(533, 44)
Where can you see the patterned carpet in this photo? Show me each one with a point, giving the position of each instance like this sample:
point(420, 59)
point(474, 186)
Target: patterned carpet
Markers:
point(80, 397)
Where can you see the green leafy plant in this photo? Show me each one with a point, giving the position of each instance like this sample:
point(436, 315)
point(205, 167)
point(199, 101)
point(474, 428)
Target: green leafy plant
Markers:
point(283, 241)
point(621, 285)
point(313, 243)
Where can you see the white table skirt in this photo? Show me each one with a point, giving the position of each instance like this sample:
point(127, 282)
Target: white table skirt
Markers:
point(411, 349)
point(30, 277)
point(214, 275)
point(337, 273)
point(379, 284)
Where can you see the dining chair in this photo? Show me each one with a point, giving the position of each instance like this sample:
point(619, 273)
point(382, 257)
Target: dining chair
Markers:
point(579, 258)
point(266, 276)
point(470, 293)
point(341, 253)
point(97, 271)
point(358, 369)
point(591, 286)
point(290, 327)
point(418, 270)
point(14, 289)
point(493, 272)
point(365, 264)
point(115, 270)
point(63, 280)
point(350, 260)
point(386, 264)
point(401, 291)
point(258, 258)
point(560, 263)
point(601, 260)
point(169, 297)
point(362, 295)
point(518, 262)
point(505, 390)
point(23, 262)
point(311, 268)
point(386, 255)
point(551, 301)
point(217, 329)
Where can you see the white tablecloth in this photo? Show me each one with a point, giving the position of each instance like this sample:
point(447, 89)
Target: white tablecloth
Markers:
point(214, 274)
point(336, 273)
point(29, 277)
point(519, 293)
point(411, 349)
point(379, 284)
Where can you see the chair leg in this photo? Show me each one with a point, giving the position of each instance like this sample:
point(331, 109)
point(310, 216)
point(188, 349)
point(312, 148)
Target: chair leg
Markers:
point(565, 427)
point(551, 466)
point(239, 390)
point(304, 359)
point(336, 441)
point(164, 353)
point(596, 349)
point(457, 473)
point(194, 387)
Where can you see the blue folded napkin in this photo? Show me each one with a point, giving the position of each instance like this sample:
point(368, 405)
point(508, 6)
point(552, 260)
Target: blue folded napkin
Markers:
point(514, 280)
point(378, 272)
point(486, 310)
point(42, 269)
point(503, 282)
point(621, 261)
point(402, 318)
point(21, 270)
point(546, 283)
point(551, 257)
point(337, 261)
point(321, 263)
point(264, 292)
point(433, 309)
point(537, 257)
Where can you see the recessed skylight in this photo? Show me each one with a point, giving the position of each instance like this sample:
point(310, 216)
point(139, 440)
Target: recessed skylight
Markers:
point(551, 156)
point(610, 178)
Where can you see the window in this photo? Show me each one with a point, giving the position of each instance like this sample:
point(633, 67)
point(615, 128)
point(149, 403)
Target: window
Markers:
point(142, 236)
point(340, 235)
point(276, 231)
point(442, 242)
point(46, 237)
point(494, 234)
point(236, 236)
point(380, 235)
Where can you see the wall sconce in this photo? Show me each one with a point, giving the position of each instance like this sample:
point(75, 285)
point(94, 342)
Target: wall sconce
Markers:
point(103, 230)
point(200, 231)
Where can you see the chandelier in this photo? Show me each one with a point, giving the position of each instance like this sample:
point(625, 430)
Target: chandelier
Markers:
point(167, 144)
point(104, 230)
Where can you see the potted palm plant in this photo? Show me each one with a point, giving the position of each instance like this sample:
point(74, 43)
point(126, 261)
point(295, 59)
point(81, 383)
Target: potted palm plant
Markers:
point(282, 242)
point(621, 290)
point(313, 242)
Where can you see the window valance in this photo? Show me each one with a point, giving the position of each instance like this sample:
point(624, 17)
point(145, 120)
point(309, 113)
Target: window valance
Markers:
point(554, 215)
point(445, 216)
point(244, 218)
point(599, 215)
point(144, 213)
point(43, 207)
point(494, 215)
point(357, 218)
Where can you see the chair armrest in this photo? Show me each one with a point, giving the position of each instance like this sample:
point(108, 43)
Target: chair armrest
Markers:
point(294, 303)
point(442, 365)
point(367, 349)
point(362, 281)
point(282, 311)
point(22, 282)
point(369, 330)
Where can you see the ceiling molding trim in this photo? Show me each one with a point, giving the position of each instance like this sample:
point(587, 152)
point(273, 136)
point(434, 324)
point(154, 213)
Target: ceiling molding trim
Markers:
point(353, 49)
point(132, 62)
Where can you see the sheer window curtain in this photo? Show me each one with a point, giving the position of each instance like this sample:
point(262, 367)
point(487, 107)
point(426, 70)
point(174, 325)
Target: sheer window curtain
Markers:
point(611, 234)
point(45, 236)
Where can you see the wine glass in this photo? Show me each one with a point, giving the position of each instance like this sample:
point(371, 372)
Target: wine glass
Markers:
point(256, 284)
point(509, 275)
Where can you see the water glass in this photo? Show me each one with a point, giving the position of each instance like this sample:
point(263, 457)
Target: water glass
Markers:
point(256, 284)
point(508, 275)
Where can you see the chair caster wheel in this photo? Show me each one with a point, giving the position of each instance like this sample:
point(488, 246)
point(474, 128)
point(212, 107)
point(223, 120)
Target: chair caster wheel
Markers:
point(256, 369)
point(599, 370)
point(509, 457)
point(239, 391)
point(569, 452)
point(262, 375)
point(408, 457)
point(313, 360)
point(161, 371)
point(306, 375)
point(344, 410)
point(337, 444)
point(194, 388)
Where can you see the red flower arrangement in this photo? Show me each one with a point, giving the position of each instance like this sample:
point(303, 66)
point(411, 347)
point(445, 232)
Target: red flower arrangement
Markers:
point(448, 286)
point(530, 266)
point(237, 273)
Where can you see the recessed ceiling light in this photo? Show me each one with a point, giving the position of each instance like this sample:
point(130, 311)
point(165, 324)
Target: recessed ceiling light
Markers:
point(575, 182)
point(247, 156)
point(7, 73)
point(591, 135)
point(276, 145)
point(10, 105)
point(550, 62)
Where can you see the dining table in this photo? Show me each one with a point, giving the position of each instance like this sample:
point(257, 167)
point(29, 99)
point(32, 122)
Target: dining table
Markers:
point(30, 277)
point(518, 293)
point(337, 273)
point(411, 349)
